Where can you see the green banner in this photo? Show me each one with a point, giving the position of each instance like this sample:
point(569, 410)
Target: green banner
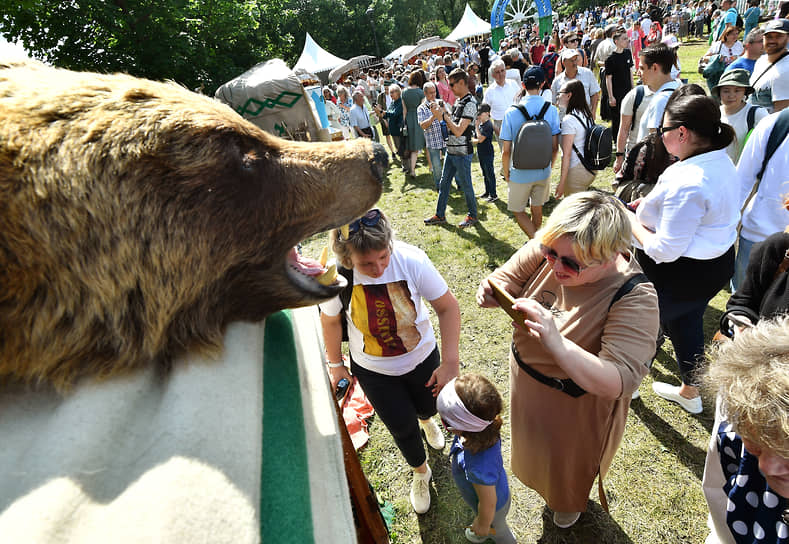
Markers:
point(546, 25)
point(496, 35)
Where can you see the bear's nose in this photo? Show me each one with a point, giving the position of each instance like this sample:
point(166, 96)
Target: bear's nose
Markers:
point(380, 161)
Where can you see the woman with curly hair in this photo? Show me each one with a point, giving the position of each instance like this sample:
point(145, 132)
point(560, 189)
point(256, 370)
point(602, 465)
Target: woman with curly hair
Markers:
point(746, 475)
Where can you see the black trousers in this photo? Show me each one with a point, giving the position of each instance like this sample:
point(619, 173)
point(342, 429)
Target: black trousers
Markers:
point(399, 401)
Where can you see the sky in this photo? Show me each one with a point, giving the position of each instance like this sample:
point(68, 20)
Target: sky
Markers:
point(10, 50)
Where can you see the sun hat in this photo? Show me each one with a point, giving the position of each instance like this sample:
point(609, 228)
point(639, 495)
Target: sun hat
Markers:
point(734, 78)
point(777, 25)
point(534, 75)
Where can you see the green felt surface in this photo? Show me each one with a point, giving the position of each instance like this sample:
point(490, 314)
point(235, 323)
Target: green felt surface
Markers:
point(285, 507)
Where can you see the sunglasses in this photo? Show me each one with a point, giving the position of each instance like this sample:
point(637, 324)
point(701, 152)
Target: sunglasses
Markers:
point(570, 264)
point(662, 130)
point(370, 219)
point(574, 40)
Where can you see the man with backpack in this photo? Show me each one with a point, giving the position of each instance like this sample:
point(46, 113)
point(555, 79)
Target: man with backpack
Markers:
point(655, 71)
point(632, 109)
point(762, 169)
point(530, 138)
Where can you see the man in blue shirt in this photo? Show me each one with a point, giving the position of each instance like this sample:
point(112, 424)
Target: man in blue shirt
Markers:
point(754, 47)
point(528, 187)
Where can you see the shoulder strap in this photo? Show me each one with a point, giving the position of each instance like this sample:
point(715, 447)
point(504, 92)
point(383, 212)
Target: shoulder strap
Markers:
point(751, 119)
point(768, 68)
point(543, 110)
point(637, 102)
point(628, 286)
point(525, 113)
point(777, 136)
point(347, 292)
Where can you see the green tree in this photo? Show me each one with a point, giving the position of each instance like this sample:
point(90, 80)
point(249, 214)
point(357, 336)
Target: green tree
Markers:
point(195, 42)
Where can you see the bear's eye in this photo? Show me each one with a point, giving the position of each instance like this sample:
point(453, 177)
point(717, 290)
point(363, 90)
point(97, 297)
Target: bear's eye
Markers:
point(249, 159)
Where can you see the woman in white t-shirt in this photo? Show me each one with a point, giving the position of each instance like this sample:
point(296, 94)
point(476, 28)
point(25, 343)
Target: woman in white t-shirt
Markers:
point(393, 351)
point(732, 90)
point(574, 177)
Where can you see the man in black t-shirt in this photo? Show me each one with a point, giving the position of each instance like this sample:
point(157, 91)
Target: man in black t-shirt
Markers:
point(619, 76)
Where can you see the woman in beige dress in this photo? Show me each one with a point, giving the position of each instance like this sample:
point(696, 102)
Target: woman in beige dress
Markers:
point(580, 349)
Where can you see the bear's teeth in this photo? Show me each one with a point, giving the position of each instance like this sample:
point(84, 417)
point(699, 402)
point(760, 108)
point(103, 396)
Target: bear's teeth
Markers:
point(329, 277)
point(324, 256)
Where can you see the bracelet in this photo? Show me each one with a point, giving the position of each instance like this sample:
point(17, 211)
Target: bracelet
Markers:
point(618, 154)
point(335, 365)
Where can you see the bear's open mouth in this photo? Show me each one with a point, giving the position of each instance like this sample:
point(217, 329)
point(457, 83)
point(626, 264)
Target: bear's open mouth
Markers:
point(317, 277)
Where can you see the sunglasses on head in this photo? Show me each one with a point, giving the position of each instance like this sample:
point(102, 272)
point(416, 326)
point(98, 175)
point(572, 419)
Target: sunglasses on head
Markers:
point(570, 264)
point(370, 219)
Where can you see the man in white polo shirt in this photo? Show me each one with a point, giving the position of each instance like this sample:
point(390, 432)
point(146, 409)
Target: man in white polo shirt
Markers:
point(570, 58)
point(770, 76)
point(500, 94)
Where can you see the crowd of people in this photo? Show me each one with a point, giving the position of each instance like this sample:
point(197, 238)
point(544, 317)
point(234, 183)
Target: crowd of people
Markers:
point(702, 204)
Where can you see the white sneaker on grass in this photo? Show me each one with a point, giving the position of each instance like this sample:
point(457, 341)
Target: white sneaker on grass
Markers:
point(433, 434)
point(420, 491)
point(671, 392)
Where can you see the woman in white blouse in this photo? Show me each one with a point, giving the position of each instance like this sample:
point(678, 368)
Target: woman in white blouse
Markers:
point(686, 228)
point(729, 47)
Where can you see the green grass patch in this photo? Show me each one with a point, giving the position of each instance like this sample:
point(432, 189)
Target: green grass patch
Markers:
point(654, 486)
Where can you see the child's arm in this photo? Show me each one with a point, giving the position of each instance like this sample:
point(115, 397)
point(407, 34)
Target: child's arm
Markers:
point(486, 508)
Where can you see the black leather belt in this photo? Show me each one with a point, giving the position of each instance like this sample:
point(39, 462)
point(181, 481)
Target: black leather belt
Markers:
point(566, 386)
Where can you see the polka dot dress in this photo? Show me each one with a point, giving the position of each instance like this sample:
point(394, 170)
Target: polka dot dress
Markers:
point(754, 513)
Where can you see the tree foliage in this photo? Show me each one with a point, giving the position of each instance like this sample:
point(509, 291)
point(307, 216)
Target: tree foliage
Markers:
point(204, 43)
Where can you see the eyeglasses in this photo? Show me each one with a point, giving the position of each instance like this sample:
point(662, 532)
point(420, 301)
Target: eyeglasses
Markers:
point(574, 40)
point(662, 130)
point(370, 219)
point(570, 264)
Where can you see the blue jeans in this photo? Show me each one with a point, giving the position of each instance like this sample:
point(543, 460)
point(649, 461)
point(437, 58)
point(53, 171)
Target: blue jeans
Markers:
point(459, 167)
point(435, 165)
point(486, 165)
point(741, 263)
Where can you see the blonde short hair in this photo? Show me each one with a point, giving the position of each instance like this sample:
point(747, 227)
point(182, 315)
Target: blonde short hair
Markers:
point(375, 238)
point(597, 223)
point(751, 377)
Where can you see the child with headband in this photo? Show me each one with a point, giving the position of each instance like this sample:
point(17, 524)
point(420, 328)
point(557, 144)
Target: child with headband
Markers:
point(469, 406)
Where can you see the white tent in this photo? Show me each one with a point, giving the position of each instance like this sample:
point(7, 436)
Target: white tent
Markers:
point(430, 44)
point(315, 59)
point(399, 52)
point(469, 25)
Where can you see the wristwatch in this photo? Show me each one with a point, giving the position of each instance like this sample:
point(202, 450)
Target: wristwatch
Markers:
point(619, 154)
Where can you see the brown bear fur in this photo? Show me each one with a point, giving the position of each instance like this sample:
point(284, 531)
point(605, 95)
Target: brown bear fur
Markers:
point(137, 219)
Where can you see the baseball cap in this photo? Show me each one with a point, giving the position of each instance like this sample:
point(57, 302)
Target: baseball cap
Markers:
point(777, 25)
point(534, 75)
point(567, 53)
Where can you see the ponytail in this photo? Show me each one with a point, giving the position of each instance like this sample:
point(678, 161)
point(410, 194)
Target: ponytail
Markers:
point(701, 115)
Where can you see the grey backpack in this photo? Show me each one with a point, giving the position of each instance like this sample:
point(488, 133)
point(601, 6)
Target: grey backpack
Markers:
point(533, 146)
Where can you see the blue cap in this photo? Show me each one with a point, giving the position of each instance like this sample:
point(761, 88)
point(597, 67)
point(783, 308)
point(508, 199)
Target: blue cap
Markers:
point(534, 75)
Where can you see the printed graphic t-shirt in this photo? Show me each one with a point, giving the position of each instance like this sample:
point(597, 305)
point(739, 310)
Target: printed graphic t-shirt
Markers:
point(389, 328)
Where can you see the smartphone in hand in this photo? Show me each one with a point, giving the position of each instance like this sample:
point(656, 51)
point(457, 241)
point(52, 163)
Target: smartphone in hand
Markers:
point(506, 301)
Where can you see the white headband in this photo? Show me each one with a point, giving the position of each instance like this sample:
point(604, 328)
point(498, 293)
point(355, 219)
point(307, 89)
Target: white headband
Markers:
point(455, 414)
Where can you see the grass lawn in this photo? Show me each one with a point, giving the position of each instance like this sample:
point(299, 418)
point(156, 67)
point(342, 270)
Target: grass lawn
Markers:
point(654, 486)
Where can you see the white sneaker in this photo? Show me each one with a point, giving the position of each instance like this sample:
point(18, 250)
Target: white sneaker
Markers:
point(420, 491)
point(433, 435)
point(563, 520)
point(671, 392)
point(471, 536)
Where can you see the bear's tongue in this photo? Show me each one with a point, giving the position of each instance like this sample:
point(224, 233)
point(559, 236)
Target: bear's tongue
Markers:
point(313, 268)
point(305, 265)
